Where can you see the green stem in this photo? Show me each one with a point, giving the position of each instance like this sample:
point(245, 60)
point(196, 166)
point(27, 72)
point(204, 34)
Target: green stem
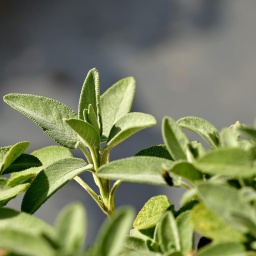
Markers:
point(112, 195)
point(91, 193)
point(85, 152)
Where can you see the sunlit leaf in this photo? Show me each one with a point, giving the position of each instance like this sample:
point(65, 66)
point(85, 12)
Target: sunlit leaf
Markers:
point(48, 114)
point(116, 102)
point(129, 125)
point(202, 127)
point(151, 212)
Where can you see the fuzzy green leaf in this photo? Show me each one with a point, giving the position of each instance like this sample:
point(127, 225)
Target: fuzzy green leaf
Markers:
point(113, 232)
point(223, 249)
point(87, 134)
point(168, 233)
point(136, 244)
point(90, 95)
point(232, 162)
point(157, 151)
point(151, 212)
point(175, 139)
point(9, 154)
point(71, 229)
point(20, 242)
point(202, 127)
point(47, 156)
point(142, 169)
point(129, 125)
point(8, 192)
point(48, 181)
point(91, 117)
point(11, 219)
point(186, 170)
point(116, 102)
point(48, 114)
point(139, 253)
point(210, 225)
point(186, 231)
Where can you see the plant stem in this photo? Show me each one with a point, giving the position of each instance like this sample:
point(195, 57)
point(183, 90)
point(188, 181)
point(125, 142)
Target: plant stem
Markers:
point(91, 193)
point(112, 195)
point(85, 152)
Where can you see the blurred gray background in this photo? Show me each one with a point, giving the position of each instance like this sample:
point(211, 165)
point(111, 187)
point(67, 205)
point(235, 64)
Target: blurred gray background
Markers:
point(189, 57)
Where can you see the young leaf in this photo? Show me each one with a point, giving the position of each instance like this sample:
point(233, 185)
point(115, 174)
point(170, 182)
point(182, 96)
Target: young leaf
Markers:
point(223, 249)
point(90, 95)
point(136, 244)
point(91, 118)
point(71, 229)
point(113, 233)
point(142, 169)
point(175, 139)
point(168, 233)
point(48, 114)
point(232, 162)
point(186, 231)
point(9, 154)
point(202, 127)
point(116, 102)
point(87, 134)
point(186, 170)
point(20, 242)
point(48, 181)
point(127, 126)
point(157, 151)
point(151, 212)
point(47, 156)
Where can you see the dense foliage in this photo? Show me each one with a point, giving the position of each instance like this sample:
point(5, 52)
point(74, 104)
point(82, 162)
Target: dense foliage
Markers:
point(218, 173)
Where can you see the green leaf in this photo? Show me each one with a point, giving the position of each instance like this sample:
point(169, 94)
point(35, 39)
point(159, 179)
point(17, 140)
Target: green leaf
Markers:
point(48, 114)
point(11, 219)
point(48, 181)
point(223, 249)
point(116, 102)
point(23, 162)
point(90, 95)
point(113, 232)
point(232, 162)
point(143, 254)
point(151, 212)
point(202, 127)
point(47, 156)
point(208, 224)
point(7, 192)
point(175, 139)
point(142, 169)
point(186, 170)
point(186, 231)
point(224, 206)
point(9, 154)
point(136, 244)
point(129, 125)
point(87, 134)
point(22, 243)
point(157, 151)
point(168, 233)
point(71, 229)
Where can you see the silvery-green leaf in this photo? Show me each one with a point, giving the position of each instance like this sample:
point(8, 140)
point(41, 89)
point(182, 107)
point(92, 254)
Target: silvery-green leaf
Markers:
point(202, 127)
point(48, 114)
point(48, 181)
point(141, 169)
point(116, 102)
point(129, 125)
